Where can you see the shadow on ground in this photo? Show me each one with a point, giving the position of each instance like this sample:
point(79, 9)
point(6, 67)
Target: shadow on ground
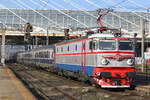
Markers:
point(142, 79)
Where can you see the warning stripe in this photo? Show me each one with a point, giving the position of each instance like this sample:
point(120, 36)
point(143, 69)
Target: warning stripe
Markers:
point(24, 91)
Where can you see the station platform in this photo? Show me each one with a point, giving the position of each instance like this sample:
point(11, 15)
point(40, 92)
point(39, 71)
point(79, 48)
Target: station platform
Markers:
point(11, 88)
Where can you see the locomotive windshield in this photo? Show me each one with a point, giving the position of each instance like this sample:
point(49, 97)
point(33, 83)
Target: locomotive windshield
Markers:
point(125, 44)
point(108, 44)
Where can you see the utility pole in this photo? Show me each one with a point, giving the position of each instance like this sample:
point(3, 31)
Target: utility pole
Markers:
point(3, 48)
point(47, 38)
point(36, 40)
point(142, 43)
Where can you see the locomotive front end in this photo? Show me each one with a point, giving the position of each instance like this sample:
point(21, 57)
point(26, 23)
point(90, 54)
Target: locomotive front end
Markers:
point(115, 62)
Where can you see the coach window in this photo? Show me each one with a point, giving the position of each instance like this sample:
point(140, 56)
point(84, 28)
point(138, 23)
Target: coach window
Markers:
point(68, 48)
point(61, 49)
point(52, 55)
point(48, 54)
point(93, 45)
point(57, 49)
point(76, 47)
point(83, 46)
point(90, 45)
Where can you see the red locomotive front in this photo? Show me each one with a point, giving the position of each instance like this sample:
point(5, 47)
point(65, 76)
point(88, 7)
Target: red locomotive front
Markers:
point(115, 62)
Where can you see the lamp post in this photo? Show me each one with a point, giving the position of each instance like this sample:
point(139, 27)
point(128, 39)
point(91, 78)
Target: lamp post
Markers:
point(142, 43)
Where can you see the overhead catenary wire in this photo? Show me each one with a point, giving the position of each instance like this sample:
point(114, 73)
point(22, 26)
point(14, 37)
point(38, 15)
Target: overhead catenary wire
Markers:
point(2, 6)
point(85, 11)
point(58, 4)
point(96, 5)
point(51, 6)
point(132, 11)
point(139, 5)
point(18, 4)
point(114, 6)
point(77, 6)
point(37, 12)
point(37, 4)
point(3, 24)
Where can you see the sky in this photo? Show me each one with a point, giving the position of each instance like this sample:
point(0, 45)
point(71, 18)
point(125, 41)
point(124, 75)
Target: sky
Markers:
point(118, 5)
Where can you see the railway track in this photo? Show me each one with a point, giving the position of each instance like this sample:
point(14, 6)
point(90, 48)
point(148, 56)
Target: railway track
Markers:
point(29, 78)
point(53, 87)
point(69, 96)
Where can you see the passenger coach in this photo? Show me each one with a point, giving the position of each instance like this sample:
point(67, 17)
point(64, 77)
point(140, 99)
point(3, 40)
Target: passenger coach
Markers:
point(42, 57)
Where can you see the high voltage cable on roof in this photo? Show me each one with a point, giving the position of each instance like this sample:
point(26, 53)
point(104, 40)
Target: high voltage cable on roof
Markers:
point(37, 12)
point(133, 11)
point(51, 6)
point(80, 8)
point(111, 12)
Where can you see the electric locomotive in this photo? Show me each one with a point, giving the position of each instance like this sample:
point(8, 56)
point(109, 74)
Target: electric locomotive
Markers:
point(106, 58)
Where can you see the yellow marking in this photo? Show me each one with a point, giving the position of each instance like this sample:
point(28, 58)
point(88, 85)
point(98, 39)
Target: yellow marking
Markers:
point(4, 97)
point(24, 91)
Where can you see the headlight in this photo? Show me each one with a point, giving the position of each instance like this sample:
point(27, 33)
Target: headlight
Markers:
point(98, 73)
point(130, 62)
point(105, 61)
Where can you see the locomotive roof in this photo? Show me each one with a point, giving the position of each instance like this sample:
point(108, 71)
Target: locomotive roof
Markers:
point(110, 35)
point(97, 36)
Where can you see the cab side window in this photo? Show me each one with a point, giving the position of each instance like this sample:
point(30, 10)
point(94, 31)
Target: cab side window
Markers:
point(93, 45)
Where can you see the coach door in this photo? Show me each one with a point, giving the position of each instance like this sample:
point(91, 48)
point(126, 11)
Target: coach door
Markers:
point(83, 57)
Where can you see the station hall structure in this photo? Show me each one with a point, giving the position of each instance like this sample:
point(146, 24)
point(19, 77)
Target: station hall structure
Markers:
point(52, 24)
point(103, 43)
